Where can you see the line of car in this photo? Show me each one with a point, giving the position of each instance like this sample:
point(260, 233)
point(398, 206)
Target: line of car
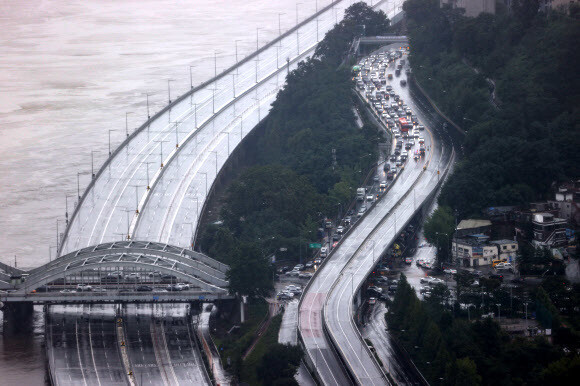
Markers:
point(140, 288)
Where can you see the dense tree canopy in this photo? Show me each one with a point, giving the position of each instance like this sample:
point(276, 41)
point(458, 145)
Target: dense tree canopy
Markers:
point(449, 350)
point(516, 152)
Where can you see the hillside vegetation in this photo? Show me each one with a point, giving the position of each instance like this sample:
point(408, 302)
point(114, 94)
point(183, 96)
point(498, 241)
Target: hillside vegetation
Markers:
point(514, 153)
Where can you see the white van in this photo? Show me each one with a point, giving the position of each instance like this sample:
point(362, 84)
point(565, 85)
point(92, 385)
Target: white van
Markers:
point(323, 251)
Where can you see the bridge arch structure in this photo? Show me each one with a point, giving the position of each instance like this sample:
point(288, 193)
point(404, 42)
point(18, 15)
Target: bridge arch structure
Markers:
point(142, 258)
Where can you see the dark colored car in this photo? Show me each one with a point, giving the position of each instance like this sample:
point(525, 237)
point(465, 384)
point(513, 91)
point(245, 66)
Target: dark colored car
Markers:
point(496, 276)
point(144, 288)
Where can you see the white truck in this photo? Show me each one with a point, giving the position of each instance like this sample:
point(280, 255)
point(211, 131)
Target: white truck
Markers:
point(360, 194)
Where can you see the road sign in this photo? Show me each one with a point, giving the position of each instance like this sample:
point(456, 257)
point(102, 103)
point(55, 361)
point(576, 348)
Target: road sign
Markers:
point(314, 245)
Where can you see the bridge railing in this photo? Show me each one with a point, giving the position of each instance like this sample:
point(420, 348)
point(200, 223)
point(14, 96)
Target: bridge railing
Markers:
point(168, 107)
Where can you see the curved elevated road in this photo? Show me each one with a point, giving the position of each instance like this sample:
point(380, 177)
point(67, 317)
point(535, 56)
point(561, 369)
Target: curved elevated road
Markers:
point(327, 306)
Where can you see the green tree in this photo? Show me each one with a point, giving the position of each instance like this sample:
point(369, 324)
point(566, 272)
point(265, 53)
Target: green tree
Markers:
point(250, 272)
point(463, 372)
point(439, 229)
point(564, 371)
point(279, 364)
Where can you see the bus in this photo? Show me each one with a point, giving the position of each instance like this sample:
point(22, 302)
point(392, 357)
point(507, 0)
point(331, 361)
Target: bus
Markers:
point(404, 125)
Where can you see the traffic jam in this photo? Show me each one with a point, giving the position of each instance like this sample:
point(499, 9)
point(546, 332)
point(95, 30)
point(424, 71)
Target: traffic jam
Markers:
point(373, 77)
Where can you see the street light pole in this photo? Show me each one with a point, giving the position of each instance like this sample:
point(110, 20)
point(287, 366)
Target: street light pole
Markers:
point(79, 186)
point(137, 198)
point(215, 64)
point(280, 24)
point(110, 142)
point(161, 143)
point(148, 181)
point(148, 116)
point(93, 163)
point(191, 77)
point(66, 208)
point(236, 42)
point(127, 123)
point(169, 89)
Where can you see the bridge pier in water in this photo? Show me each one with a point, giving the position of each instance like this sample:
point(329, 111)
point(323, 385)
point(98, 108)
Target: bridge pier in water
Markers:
point(18, 317)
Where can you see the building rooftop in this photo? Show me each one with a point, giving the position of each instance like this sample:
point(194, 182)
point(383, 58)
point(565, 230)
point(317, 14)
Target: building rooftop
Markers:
point(471, 223)
point(470, 241)
point(505, 241)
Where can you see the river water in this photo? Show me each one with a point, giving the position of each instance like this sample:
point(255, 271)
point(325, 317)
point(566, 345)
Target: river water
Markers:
point(70, 70)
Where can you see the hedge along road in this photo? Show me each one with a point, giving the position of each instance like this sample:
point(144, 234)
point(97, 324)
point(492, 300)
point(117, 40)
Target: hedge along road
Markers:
point(108, 208)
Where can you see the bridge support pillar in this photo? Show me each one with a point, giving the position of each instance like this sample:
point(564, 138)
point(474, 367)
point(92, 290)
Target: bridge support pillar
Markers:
point(18, 317)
